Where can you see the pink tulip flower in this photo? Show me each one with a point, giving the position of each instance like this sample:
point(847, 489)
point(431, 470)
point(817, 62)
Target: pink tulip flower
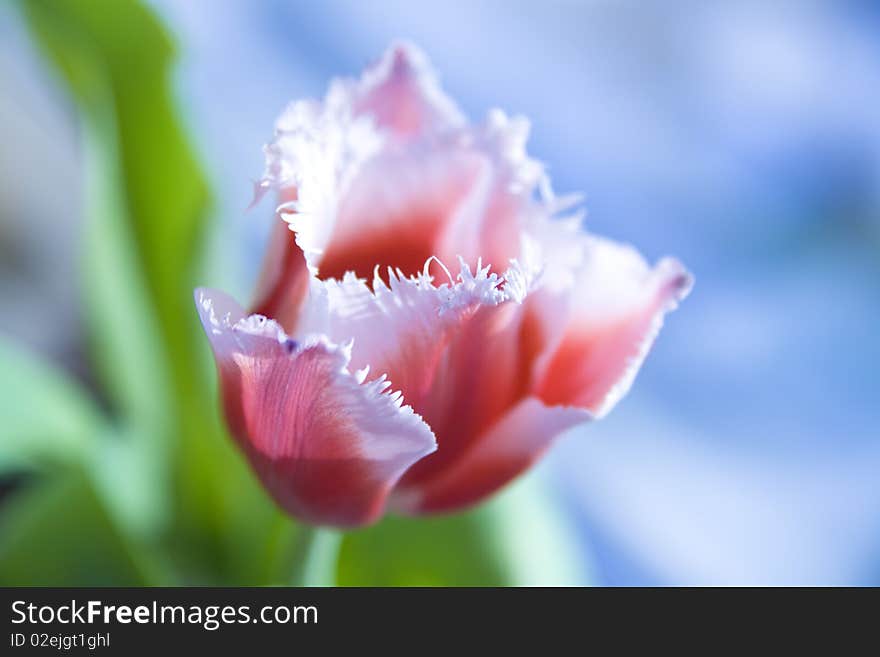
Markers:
point(417, 253)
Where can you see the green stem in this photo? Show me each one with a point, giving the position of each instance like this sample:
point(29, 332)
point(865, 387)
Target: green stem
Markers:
point(315, 551)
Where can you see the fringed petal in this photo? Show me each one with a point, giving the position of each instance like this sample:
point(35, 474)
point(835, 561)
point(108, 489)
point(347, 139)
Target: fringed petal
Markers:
point(357, 195)
point(401, 328)
point(484, 370)
point(616, 309)
point(327, 445)
point(402, 94)
point(460, 351)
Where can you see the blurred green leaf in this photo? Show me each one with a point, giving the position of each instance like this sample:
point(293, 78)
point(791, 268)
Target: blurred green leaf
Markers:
point(443, 551)
point(56, 533)
point(533, 540)
point(516, 539)
point(47, 418)
point(123, 326)
point(116, 58)
point(146, 207)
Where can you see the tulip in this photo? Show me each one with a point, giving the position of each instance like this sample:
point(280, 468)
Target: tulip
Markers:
point(418, 258)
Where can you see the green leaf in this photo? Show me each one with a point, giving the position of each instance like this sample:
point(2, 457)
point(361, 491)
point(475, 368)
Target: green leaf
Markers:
point(147, 201)
point(146, 204)
point(517, 539)
point(57, 533)
point(47, 418)
point(123, 319)
point(116, 58)
point(123, 327)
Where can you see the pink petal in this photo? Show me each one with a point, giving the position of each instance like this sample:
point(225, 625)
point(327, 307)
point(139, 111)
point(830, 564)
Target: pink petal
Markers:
point(284, 279)
point(402, 94)
point(506, 449)
point(365, 197)
point(396, 209)
point(488, 225)
point(455, 199)
point(327, 447)
point(461, 353)
point(617, 309)
point(485, 369)
point(402, 328)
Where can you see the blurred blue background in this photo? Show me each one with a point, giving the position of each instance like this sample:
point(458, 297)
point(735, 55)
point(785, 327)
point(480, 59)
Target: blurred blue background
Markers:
point(743, 138)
